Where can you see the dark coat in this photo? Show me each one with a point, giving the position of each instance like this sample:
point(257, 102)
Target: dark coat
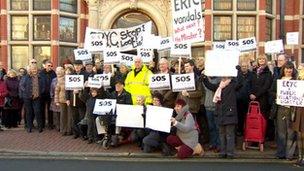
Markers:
point(3, 92)
point(47, 78)
point(25, 87)
point(79, 97)
point(124, 98)
point(226, 109)
point(261, 84)
point(12, 85)
point(245, 80)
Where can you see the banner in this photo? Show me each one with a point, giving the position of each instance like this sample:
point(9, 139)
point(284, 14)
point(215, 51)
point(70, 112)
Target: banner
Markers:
point(188, 23)
point(182, 82)
point(127, 59)
point(146, 55)
point(165, 44)
point(221, 63)
point(74, 82)
point(219, 45)
point(160, 82)
point(83, 55)
point(290, 93)
point(94, 82)
point(121, 39)
point(104, 106)
point(181, 50)
point(292, 38)
point(231, 45)
point(129, 116)
point(105, 79)
point(159, 118)
point(275, 46)
point(247, 44)
point(111, 56)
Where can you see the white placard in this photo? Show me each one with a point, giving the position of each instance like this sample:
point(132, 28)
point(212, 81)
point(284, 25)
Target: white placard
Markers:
point(232, 45)
point(188, 22)
point(129, 116)
point(219, 45)
point(123, 39)
point(160, 82)
point(221, 63)
point(151, 42)
point(111, 56)
point(158, 118)
point(275, 46)
point(182, 82)
point(145, 54)
point(94, 82)
point(290, 92)
point(178, 50)
point(105, 79)
point(292, 38)
point(165, 43)
point(83, 55)
point(104, 106)
point(127, 59)
point(74, 82)
point(247, 44)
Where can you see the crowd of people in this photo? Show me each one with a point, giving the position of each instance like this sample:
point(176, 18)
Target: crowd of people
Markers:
point(212, 115)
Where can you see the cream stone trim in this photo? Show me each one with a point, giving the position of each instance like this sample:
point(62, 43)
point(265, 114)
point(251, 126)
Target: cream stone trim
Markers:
point(3, 12)
point(3, 42)
point(289, 17)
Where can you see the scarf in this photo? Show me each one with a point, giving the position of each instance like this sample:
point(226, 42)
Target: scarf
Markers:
point(260, 70)
point(218, 92)
point(35, 87)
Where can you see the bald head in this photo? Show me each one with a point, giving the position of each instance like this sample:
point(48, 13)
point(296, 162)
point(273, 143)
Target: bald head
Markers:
point(138, 62)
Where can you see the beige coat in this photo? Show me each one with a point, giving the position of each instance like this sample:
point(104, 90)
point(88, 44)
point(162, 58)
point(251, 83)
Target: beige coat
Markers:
point(60, 91)
point(298, 124)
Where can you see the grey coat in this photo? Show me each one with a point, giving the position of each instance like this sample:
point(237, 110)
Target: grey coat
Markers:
point(186, 128)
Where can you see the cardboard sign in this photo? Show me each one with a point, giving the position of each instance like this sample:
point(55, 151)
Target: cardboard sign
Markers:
point(182, 82)
point(290, 93)
point(74, 82)
point(160, 82)
point(231, 45)
point(221, 63)
point(119, 39)
point(178, 50)
point(165, 44)
point(292, 38)
point(104, 107)
point(94, 82)
point(273, 47)
point(111, 56)
point(151, 42)
point(219, 45)
point(145, 54)
point(188, 22)
point(105, 79)
point(127, 59)
point(83, 55)
point(247, 44)
point(158, 118)
point(129, 116)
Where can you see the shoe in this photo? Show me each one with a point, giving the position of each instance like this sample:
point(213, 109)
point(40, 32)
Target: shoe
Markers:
point(75, 136)
point(65, 134)
point(29, 130)
point(222, 156)
point(90, 141)
point(40, 130)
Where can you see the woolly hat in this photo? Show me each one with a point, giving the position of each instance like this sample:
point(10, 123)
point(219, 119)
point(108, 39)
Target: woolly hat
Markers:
point(180, 102)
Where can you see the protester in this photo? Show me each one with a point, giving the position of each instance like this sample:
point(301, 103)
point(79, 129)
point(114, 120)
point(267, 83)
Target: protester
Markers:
point(122, 73)
point(3, 94)
point(53, 107)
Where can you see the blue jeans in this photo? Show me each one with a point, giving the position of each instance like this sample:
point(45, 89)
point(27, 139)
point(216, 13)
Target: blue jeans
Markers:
point(214, 139)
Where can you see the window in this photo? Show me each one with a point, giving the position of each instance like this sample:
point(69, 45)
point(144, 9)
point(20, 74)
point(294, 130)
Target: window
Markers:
point(66, 52)
point(248, 5)
point(268, 29)
point(41, 53)
point(19, 5)
point(222, 28)
point(222, 4)
point(19, 57)
point(68, 5)
point(42, 5)
point(198, 52)
point(245, 27)
point(269, 6)
point(68, 29)
point(42, 27)
point(19, 30)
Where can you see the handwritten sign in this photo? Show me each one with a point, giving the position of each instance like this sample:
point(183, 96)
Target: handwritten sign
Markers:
point(292, 38)
point(247, 44)
point(158, 118)
point(160, 82)
point(182, 82)
point(129, 116)
point(74, 82)
point(272, 47)
point(290, 93)
point(104, 106)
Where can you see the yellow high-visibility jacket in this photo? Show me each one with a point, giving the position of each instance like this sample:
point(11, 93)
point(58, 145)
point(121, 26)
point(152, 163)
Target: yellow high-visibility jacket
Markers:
point(139, 84)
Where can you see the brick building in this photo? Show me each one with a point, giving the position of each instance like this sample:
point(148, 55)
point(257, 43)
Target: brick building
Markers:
point(53, 28)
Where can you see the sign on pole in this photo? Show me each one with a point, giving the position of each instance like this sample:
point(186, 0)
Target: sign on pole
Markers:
point(272, 47)
point(290, 92)
point(160, 82)
point(188, 23)
point(221, 63)
point(182, 82)
point(74, 82)
point(292, 38)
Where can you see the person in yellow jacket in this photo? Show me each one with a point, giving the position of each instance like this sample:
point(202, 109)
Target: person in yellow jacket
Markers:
point(137, 81)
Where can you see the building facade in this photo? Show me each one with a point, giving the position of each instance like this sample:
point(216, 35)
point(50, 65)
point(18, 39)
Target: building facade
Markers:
point(53, 28)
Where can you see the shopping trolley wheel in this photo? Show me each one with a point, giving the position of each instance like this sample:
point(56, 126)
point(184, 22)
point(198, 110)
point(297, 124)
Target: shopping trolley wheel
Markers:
point(244, 146)
point(261, 147)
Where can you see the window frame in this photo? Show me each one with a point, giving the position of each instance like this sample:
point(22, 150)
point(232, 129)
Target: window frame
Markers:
point(238, 9)
point(11, 54)
point(231, 30)
point(11, 6)
point(33, 7)
point(75, 29)
point(218, 1)
point(255, 25)
point(35, 39)
point(11, 27)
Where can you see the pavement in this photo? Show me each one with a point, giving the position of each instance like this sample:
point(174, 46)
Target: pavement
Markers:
point(17, 142)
